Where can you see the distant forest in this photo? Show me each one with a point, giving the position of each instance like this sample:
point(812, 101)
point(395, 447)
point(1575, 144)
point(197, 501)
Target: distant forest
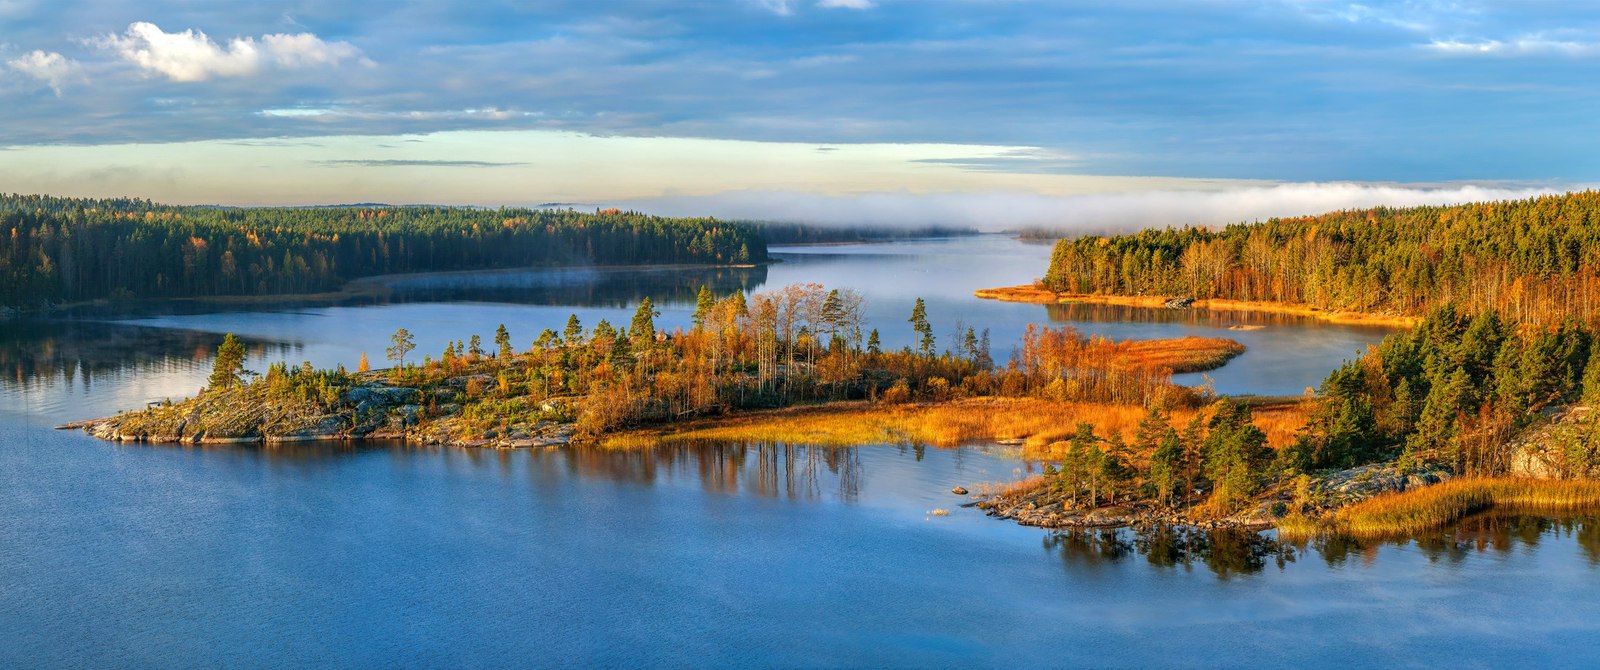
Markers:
point(800, 233)
point(68, 249)
point(1532, 261)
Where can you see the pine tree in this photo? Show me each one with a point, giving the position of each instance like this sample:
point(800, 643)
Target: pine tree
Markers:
point(704, 302)
point(873, 345)
point(643, 329)
point(401, 343)
point(1166, 466)
point(229, 364)
point(502, 339)
point(574, 332)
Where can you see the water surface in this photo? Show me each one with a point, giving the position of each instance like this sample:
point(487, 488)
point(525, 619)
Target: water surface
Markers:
point(686, 554)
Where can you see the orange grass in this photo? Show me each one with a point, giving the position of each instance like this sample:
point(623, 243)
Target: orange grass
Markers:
point(1181, 354)
point(1036, 294)
point(1040, 422)
point(1442, 504)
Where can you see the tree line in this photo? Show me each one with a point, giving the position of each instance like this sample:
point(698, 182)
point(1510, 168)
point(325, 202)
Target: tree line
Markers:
point(1531, 261)
point(799, 343)
point(67, 249)
point(1455, 390)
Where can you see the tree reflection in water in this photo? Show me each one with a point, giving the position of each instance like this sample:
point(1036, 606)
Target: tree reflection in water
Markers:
point(766, 469)
point(1231, 552)
point(1226, 552)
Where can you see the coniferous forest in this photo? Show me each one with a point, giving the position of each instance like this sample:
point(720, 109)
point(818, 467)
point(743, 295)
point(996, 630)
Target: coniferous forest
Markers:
point(1531, 261)
point(67, 249)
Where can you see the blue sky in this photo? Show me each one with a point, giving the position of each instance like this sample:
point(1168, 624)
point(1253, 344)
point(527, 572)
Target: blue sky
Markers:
point(1043, 94)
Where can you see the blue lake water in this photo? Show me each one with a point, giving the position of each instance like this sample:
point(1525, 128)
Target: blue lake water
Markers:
point(692, 554)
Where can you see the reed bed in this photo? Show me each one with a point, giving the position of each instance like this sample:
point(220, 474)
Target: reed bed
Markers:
point(1428, 508)
point(1042, 423)
point(1182, 354)
point(1013, 489)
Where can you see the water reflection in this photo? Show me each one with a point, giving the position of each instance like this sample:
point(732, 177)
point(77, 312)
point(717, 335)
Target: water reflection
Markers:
point(47, 355)
point(589, 287)
point(768, 470)
point(1098, 313)
point(1226, 552)
point(1234, 552)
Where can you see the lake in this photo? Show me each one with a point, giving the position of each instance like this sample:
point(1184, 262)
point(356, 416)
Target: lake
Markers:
point(688, 554)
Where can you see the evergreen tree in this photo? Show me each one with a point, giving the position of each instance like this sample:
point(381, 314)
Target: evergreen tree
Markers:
point(229, 364)
point(574, 332)
point(703, 304)
point(919, 323)
point(1591, 377)
point(1166, 466)
point(401, 343)
point(502, 340)
point(643, 329)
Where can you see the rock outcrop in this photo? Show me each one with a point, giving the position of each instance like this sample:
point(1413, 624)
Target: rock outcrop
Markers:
point(372, 409)
point(1563, 446)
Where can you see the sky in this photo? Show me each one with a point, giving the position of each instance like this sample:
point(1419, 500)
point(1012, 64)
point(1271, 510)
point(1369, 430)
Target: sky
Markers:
point(980, 112)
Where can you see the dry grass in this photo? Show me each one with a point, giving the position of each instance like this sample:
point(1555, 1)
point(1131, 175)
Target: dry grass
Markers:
point(1039, 295)
point(1182, 354)
point(1298, 526)
point(1040, 422)
point(1014, 489)
point(1435, 506)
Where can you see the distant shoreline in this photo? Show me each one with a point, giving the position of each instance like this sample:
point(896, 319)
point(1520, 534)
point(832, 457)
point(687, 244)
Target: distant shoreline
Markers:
point(361, 287)
point(1034, 294)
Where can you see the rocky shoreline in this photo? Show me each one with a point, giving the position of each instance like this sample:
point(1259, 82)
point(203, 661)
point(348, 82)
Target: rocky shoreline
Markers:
point(372, 410)
point(1046, 507)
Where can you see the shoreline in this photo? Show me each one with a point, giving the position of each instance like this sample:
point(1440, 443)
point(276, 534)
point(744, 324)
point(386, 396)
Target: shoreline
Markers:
point(371, 286)
point(1036, 295)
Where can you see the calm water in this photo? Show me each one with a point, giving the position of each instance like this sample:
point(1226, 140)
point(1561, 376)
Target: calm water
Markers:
point(729, 555)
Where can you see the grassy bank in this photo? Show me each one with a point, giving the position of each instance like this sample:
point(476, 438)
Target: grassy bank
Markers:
point(1035, 294)
point(1041, 423)
point(1428, 508)
point(1183, 354)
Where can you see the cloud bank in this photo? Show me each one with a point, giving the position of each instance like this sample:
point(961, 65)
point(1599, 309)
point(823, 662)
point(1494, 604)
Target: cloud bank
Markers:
point(1112, 212)
point(191, 56)
point(50, 68)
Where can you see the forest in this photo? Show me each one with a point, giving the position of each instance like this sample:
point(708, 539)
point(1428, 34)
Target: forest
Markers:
point(56, 250)
point(1530, 261)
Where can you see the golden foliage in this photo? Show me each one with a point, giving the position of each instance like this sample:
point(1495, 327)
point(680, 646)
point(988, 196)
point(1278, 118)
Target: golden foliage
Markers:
point(1439, 505)
point(1042, 423)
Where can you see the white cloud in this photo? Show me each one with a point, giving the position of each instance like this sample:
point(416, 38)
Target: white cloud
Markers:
point(779, 7)
point(192, 56)
point(845, 4)
point(54, 69)
point(1109, 212)
point(1531, 45)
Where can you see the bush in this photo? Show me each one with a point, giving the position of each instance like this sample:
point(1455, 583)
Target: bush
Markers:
point(898, 394)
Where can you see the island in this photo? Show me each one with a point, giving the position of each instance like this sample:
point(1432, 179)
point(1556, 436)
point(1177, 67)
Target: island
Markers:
point(1481, 399)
